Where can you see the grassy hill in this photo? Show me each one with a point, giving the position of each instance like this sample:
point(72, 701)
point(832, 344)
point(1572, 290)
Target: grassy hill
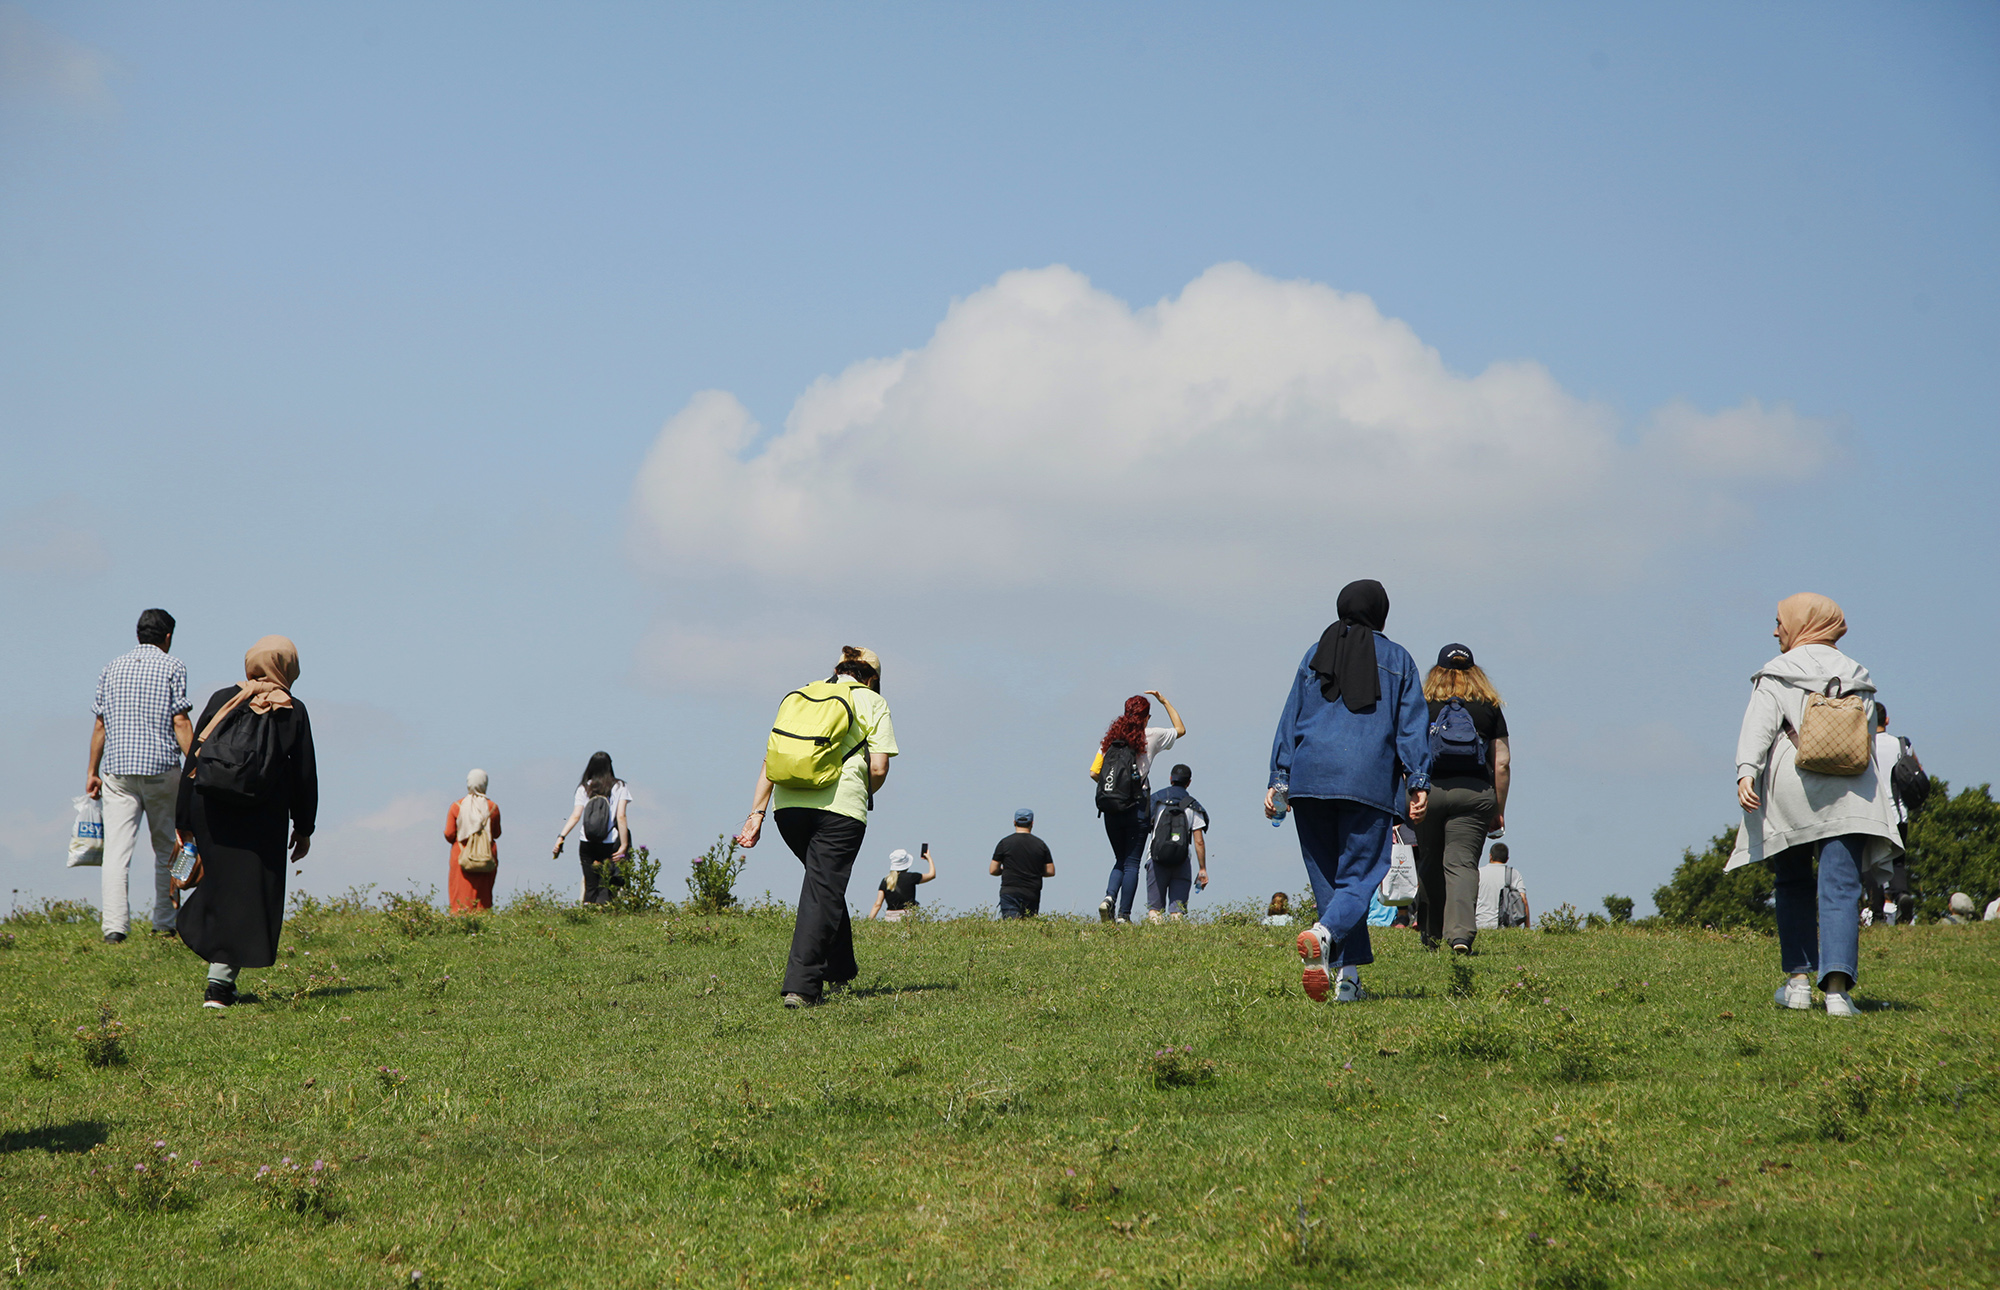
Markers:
point(548, 1097)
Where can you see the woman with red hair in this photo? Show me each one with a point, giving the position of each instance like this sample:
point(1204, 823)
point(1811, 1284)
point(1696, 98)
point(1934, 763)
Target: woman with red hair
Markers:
point(1125, 798)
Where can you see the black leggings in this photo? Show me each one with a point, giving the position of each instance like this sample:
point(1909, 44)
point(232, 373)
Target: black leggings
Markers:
point(826, 844)
point(598, 882)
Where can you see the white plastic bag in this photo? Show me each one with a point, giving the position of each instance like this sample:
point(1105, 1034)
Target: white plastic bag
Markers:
point(1399, 885)
point(86, 837)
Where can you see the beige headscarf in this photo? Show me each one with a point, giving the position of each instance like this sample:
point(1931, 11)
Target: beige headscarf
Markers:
point(1807, 619)
point(475, 807)
point(269, 668)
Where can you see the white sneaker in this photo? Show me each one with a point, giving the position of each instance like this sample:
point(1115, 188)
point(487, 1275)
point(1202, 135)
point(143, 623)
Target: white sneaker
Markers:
point(1795, 993)
point(1348, 990)
point(1124, 922)
point(1840, 1004)
point(1104, 909)
point(1155, 917)
point(1313, 952)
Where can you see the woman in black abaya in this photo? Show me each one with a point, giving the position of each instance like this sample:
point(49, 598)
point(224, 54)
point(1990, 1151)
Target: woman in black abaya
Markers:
point(234, 913)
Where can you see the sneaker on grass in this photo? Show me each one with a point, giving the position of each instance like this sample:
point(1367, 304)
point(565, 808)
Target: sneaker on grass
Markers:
point(1104, 908)
point(1348, 990)
point(1315, 947)
point(800, 1001)
point(219, 995)
point(1839, 1003)
point(1795, 993)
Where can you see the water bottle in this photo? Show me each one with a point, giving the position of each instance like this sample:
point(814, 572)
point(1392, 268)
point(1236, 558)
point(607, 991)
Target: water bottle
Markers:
point(1281, 798)
point(184, 863)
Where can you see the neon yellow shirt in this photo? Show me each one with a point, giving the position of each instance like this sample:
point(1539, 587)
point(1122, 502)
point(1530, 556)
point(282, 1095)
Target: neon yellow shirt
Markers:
point(848, 795)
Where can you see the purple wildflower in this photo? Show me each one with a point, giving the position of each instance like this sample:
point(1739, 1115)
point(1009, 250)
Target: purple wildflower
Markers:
point(1560, 1139)
point(159, 1142)
point(1070, 1173)
point(138, 1169)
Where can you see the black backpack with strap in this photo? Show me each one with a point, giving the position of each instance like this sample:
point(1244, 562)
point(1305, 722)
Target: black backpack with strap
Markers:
point(1908, 780)
point(242, 762)
point(597, 820)
point(1171, 836)
point(1120, 787)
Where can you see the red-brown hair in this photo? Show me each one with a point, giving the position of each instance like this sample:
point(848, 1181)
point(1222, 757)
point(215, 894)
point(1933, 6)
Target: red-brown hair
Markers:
point(1130, 728)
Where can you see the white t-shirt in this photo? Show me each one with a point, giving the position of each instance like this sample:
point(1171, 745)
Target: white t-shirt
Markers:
point(1158, 740)
point(1493, 878)
point(619, 796)
point(1889, 750)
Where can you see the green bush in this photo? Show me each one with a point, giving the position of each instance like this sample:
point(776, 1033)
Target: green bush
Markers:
point(1619, 907)
point(1955, 846)
point(711, 880)
point(1700, 894)
point(1560, 921)
point(639, 890)
point(52, 913)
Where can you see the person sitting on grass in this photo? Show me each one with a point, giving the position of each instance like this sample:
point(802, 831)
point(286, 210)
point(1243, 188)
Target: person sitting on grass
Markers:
point(899, 889)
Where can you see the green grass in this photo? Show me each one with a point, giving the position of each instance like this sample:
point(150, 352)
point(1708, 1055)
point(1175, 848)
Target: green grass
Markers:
point(550, 1097)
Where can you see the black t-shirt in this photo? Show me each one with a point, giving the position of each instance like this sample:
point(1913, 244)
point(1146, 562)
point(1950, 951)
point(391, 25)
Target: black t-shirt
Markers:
point(1466, 772)
point(903, 893)
point(1023, 858)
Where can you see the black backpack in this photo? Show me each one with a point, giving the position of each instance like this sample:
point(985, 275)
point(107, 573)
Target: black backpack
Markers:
point(597, 820)
point(1170, 836)
point(1119, 785)
point(1513, 909)
point(242, 762)
point(1907, 780)
point(1453, 734)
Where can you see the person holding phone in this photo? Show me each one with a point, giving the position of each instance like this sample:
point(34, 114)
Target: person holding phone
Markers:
point(899, 890)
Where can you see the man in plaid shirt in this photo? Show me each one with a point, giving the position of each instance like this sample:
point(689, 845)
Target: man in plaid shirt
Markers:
point(142, 732)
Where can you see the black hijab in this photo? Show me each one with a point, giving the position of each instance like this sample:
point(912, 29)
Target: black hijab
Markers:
point(1345, 659)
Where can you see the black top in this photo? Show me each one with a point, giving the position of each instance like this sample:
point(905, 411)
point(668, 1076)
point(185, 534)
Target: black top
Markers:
point(295, 741)
point(903, 893)
point(1466, 772)
point(1023, 858)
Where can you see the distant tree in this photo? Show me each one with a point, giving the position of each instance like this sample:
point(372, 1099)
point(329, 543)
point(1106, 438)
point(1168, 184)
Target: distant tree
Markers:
point(1955, 846)
point(1619, 907)
point(1700, 894)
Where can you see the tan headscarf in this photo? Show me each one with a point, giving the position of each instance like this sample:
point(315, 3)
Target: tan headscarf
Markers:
point(475, 807)
point(269, 668)
point(1807, 619)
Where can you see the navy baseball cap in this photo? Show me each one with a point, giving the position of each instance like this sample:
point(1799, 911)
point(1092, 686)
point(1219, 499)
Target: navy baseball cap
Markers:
point(1024, 816)
point(1456, 657)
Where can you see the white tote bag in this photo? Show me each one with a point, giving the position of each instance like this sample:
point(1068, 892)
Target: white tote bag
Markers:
point(1399, 886)
point(86, 836)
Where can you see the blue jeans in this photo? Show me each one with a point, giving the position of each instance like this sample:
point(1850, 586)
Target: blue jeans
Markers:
point(1128, 831)
point(1346, 850)
point(1020, 904)
point(1819, 920)
point(1169, 889)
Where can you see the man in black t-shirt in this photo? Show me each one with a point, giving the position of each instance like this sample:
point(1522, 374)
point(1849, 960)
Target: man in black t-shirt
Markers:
point(1021, 861)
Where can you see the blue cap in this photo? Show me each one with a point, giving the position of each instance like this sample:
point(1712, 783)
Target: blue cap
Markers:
point(1024, 816)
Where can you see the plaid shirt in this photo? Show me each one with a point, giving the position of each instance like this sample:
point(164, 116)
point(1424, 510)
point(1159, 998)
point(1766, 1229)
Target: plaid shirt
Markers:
point(139, 695)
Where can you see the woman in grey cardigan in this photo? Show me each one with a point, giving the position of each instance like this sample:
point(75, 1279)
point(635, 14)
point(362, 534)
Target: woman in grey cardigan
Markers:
point(1792, 816)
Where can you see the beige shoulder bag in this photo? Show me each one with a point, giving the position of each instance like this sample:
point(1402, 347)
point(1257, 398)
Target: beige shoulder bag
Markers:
point(1832, 738)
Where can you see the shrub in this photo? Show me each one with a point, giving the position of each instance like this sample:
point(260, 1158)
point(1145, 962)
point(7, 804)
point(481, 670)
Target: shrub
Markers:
point(149, 1181)
point(1700, 894)
point(1580, 1053)
point(1563, 1258)
point(413, 915)
point(1584, 1161)
point(638, 889)
point(1560, 921)
point(543, 901)
point(1619, 907)
point(1172, 1067)
point(36, 1066)
point(355, 900)
point(51, 913)
point(307, 1191)
point(104, 1044)
point(1955, 846)
point(711, 882)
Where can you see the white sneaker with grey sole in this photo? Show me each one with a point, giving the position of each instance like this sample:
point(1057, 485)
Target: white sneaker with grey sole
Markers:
point(1840, 1004)
point(1794, 994)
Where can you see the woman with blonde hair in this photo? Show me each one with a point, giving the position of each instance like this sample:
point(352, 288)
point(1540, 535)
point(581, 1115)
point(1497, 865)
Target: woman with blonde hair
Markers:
point(472, 826)
point(1470, 775)
point(1840, 813)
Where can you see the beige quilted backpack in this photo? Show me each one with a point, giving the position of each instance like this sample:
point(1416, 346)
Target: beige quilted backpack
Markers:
point(1833, 736)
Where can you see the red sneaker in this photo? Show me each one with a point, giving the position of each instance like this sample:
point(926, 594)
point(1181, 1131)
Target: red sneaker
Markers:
point(1313, 979)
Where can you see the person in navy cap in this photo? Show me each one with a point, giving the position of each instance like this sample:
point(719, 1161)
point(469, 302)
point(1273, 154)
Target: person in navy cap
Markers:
point(1020, 862)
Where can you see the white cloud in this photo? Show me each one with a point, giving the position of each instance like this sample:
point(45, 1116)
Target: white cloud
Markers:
point(40, 64)
point(1251, 425)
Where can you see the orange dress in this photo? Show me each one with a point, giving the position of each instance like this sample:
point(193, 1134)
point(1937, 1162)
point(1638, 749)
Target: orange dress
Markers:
point(470, 891)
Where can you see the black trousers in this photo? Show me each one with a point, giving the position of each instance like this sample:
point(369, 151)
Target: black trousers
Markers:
point(823, 939)
point(599, 874)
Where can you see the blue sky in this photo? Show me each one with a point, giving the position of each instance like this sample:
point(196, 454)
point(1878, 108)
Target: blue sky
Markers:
point(579, 377)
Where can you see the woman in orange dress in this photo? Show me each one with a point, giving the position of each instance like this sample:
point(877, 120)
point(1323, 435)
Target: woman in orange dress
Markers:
point(469, 816)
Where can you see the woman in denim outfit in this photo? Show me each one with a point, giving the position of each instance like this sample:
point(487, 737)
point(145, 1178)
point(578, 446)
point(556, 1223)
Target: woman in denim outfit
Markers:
point(1352, 740)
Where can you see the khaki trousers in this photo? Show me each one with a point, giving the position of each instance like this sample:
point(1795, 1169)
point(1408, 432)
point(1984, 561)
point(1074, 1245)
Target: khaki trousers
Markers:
point(125, 798)
point(1449, 840)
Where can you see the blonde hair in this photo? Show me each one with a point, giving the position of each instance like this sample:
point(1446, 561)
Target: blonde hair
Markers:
point(1460, 683)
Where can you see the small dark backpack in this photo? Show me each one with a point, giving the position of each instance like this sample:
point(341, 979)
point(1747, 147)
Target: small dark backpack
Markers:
point(242, 762)
point(1119, 786)
point(1453, 734)
point(597, 820)
point(1513, 910)
point(1907, 780)
point(1170, 837)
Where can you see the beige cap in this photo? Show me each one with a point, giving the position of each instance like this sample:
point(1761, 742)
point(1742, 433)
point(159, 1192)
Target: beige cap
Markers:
point(865, 657)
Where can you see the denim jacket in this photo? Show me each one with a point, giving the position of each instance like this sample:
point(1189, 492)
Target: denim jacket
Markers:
point(1323, 750)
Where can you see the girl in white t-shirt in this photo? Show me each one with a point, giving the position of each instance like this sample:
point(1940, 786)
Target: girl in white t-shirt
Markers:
point(1128, 829)
point(600, 855)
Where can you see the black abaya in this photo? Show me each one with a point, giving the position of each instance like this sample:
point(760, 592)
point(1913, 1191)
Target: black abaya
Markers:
point(235, 914)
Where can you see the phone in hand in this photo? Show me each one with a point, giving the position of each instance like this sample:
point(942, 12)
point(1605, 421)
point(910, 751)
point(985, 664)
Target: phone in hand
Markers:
point(925, 851)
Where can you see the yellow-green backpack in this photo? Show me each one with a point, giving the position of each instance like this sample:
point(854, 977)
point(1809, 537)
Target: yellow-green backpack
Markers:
point(805, 749)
